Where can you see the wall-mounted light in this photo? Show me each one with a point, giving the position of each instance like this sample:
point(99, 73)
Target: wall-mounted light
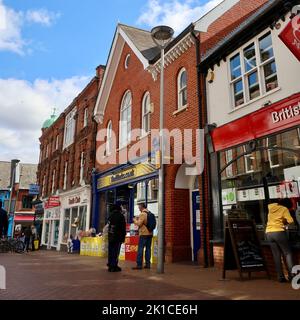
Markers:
point(210, 76)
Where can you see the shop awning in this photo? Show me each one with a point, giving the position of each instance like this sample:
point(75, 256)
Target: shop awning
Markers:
point(24, 218)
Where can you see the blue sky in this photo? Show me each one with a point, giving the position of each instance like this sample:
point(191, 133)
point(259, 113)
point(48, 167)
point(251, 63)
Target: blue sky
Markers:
point(49, 50)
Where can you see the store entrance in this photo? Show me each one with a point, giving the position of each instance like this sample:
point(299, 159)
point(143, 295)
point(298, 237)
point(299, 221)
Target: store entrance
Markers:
point(196, 223)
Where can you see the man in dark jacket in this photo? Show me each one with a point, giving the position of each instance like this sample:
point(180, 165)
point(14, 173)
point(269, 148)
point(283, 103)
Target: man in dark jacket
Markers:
point(28, 235)
point(116, 236)
point(3, 221)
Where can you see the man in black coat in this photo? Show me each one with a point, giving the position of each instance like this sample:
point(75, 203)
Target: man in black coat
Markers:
point(116, 236)
point(3, 221)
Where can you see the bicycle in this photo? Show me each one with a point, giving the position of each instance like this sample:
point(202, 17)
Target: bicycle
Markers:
point(12, 245)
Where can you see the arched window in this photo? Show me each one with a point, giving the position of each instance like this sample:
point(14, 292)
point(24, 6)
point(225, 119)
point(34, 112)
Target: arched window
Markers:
point(182, 88)
point(108, 138)
point(146, 112)
point(125, 120)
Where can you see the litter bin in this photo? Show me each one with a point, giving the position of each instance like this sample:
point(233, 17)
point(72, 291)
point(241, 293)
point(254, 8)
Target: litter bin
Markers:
point(36, 244)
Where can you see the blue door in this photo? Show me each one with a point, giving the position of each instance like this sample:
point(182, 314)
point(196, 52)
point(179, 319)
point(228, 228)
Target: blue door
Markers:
point(196, 223)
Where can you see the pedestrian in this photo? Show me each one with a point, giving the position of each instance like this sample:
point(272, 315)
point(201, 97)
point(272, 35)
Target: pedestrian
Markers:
point(28, 235)
point(70, 244)
point(34, 236)
point(146, 223)
point(278, 218)
point(3, 221)
point(116, 236)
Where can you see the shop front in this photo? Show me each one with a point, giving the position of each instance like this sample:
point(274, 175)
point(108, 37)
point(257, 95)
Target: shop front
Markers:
point(129, 185)
point(51, 225)
point(257, 158)
point(75, 214)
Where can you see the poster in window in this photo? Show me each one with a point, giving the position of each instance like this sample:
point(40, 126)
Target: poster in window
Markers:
point(292, 189)
point(229, 196)
point(256, 194)
point(243, 195)
point(276, 192)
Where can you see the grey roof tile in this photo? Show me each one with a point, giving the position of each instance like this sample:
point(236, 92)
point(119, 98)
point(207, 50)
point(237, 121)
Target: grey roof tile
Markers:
point(27, 175)
point(4, 174)
point(142, 40)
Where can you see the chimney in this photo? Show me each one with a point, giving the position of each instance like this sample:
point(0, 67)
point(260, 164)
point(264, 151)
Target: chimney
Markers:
point(100, 73)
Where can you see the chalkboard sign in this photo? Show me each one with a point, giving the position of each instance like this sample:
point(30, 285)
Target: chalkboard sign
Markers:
point(242, 249)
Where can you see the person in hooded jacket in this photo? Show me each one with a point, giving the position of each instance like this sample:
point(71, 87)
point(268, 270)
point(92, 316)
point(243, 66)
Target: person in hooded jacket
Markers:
point(278, 218)
point(116, 236)
point(3, 221)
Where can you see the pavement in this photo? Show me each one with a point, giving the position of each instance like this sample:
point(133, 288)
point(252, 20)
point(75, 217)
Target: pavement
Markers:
point(50, 275)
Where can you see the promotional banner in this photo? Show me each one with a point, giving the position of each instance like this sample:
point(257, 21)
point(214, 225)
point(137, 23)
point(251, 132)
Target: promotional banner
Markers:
point(291, 36)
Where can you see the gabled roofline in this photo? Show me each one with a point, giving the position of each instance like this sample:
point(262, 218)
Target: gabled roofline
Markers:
point(215, 13)
point(104, 97)
point(254, 24)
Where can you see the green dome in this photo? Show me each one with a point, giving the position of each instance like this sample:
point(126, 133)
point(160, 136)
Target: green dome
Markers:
point(49, 122)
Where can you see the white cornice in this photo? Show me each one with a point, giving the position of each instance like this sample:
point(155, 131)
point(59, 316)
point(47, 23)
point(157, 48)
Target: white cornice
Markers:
point(174, 53)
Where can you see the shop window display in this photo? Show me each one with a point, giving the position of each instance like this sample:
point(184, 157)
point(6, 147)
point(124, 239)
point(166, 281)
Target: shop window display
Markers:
point(74, 221)
point(271, 171)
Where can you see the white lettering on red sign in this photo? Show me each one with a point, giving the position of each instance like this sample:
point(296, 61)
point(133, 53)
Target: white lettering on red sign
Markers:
point(286, 113)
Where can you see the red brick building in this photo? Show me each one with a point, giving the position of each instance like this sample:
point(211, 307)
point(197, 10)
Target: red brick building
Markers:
point(130, 92)
point(67, 158)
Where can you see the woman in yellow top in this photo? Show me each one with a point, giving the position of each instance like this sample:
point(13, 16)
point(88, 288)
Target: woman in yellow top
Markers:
point(278, 218)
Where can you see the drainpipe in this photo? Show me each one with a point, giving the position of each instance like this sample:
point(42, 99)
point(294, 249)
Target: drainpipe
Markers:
point(94, 194)
point(201, 126)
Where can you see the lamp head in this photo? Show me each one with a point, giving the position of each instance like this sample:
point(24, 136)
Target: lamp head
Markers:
point(162, 35)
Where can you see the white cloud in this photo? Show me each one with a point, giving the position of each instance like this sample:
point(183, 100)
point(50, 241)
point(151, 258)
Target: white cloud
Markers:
point(177, 14)
point(23, 114)
point(12, 22)
point(10, 30)
point(42, 16)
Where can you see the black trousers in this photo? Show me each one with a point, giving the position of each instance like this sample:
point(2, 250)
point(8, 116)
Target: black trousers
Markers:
point(113, 253)
point(280, 246)
point(27, 243)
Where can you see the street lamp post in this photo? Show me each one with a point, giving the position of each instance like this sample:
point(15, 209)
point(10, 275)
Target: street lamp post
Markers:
point(161, 35)
point(14, 164)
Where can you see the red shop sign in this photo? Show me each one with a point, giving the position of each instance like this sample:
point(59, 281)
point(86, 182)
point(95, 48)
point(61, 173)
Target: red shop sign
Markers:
point(52, 202)
point(291, 36)
point(279, 116)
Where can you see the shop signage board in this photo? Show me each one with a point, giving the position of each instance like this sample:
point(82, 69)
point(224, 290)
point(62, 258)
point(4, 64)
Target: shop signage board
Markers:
point(291, 36)
point(34, 189)
point(242, 249)
point(136, 171)
point(268, 120)
point(53, 201)
point(74, 200)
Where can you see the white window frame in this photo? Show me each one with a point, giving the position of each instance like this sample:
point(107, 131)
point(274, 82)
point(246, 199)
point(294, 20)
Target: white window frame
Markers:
point(44, 185)
point(81, 171)
point(126, 108)
point(108, 138)
point(85, 117)
point(57, 142)
point(270, 156)
point(127, 61)
point(247, 170)
point(245, 74)
point(146, 114)
point(229, 157)
point(47, 151)
point(65, 176)
point(70, 125)
point(180, 89)
point(53, 181)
